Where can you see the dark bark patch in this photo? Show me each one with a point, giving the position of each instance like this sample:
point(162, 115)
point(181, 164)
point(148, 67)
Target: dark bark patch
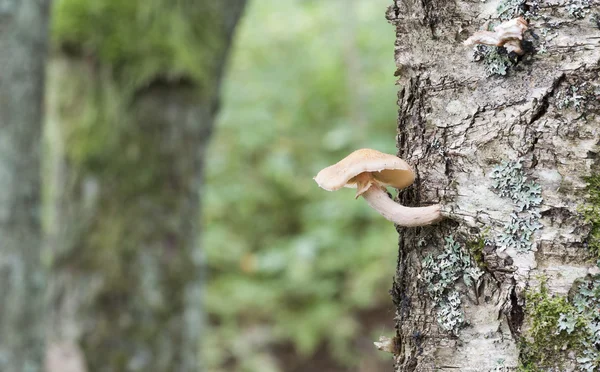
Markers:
point(515, 315)
point(417, 339)
point(543, 104)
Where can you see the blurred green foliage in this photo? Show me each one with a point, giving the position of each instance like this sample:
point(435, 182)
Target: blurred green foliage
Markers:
point(290, 263)
point(141, 39)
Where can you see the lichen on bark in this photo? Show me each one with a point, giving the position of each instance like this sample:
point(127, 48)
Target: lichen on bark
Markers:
point(455, 125)
point(563, 330)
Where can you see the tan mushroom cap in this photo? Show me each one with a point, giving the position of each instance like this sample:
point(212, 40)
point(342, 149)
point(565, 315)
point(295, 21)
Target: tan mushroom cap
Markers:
point(388, 170)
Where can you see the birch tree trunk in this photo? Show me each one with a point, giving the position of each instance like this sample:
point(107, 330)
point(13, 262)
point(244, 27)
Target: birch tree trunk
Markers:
point(23, 39)
point(507, 281)
point(133, 93)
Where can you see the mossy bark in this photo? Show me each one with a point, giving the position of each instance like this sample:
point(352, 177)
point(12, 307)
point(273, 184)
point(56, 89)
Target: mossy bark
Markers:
point(124, 185)
point(455, 125)
point(23, 40)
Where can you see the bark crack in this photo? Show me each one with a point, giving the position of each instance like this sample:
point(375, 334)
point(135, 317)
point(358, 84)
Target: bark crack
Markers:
point(543, 104)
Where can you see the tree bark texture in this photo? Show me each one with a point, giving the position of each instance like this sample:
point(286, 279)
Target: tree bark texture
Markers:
point(125, 178)
point(23, 39)
point(460, 128)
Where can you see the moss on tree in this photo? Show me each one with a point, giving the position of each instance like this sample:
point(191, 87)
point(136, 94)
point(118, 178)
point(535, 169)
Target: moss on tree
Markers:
point(562, 329)
point(544, 345)
point(143, 40)
point(133, 89)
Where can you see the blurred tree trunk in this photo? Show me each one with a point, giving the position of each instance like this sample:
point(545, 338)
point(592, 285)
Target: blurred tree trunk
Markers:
point(23, 38)
point(130, 114)
point(457, 125)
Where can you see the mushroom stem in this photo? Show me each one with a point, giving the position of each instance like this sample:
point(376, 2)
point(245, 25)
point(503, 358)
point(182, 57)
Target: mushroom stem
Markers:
point(378, 199)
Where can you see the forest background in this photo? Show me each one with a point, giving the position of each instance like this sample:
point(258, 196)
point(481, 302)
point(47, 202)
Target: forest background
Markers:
point(294, 269)
point(140, 233)
point(160, 215)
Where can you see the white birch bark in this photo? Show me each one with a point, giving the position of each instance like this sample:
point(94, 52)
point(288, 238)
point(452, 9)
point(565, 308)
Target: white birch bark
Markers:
point(456, 125)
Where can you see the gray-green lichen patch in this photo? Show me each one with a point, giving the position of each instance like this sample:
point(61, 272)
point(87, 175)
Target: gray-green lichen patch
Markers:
point(509, 9)
point(509, 181)
point(496, 60)
point(578, 8)
point(440, 275)
point(586, 304)
point(570, 98)
point(583, 97)
point(563, 330)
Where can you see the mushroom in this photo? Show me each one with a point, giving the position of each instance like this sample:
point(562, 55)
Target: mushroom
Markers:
point(369, 171)
point(390, 345)
point(508, 34)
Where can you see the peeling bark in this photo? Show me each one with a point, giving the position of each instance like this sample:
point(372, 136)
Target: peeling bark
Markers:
point(455, 125)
